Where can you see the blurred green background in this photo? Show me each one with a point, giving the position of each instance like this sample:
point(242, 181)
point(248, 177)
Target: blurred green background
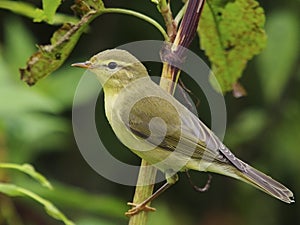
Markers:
point(35, 127)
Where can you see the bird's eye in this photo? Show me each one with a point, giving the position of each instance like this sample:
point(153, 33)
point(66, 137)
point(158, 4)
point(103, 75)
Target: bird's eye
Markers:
point(112, 65)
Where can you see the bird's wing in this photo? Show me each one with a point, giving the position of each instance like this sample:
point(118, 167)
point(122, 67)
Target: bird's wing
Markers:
point(180, 130)
point(166, 123)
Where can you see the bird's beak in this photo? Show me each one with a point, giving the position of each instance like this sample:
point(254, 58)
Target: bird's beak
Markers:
point(85, 65)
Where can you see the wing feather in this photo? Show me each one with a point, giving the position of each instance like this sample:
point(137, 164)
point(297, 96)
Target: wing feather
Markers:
point(178, 125)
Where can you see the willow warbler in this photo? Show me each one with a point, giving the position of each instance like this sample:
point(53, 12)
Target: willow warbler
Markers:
point(159, 129)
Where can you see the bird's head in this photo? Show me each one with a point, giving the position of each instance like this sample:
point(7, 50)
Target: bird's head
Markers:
point(115, 68)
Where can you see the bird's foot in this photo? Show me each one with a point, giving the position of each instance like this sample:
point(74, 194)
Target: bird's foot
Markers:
point(138, 208)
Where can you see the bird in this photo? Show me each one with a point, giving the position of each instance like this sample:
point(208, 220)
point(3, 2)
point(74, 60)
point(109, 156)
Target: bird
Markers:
point(158, 128)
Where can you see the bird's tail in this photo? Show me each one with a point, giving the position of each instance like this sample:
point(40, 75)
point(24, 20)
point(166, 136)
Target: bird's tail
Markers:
point(265, 183)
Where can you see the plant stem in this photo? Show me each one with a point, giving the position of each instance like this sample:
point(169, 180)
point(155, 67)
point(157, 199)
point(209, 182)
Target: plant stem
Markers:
point(166, 13)
point(138, 15)
point(147, 175)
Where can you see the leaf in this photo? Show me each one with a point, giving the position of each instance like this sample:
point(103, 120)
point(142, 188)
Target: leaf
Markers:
point(231, 33)
point(24, 9)
point(50, 7)
point(276, 62)
point(50, 57)
point(83, 7)
point(29, 170)
point(38, 15)
point(14, 191)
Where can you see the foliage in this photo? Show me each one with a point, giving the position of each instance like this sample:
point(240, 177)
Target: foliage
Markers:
point(231, 33)
point(39, 130)
point(50, 57)
point(35, 122)
point(47, 14)
point(14, 190)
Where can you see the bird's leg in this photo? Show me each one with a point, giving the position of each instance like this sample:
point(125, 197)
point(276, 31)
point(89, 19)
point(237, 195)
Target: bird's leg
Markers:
point(143, 205)
point(200, 189)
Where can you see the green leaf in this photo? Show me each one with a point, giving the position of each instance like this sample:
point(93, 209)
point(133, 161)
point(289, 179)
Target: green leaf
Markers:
point(38, 15)
point(50, 7)
point(29, 170)
point(231, 33)
point(83, 7)
point(14, 191)
point(276, 62)
point(50, 57)
point(24, 9)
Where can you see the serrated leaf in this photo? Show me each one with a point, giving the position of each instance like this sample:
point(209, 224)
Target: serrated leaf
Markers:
point(14, 190)
point(231, 33)
point(29, 170)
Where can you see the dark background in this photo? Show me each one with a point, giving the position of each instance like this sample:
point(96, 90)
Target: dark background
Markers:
point(263, 127)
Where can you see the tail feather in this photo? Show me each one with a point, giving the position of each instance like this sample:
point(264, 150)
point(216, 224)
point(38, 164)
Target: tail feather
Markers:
point(266, 184)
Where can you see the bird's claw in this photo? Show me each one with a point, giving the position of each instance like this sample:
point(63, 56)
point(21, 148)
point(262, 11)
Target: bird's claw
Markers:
point(138, 208)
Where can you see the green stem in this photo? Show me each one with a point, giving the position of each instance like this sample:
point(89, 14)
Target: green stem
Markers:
point(138, 15)
point(147, 175)
point(166, 13)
